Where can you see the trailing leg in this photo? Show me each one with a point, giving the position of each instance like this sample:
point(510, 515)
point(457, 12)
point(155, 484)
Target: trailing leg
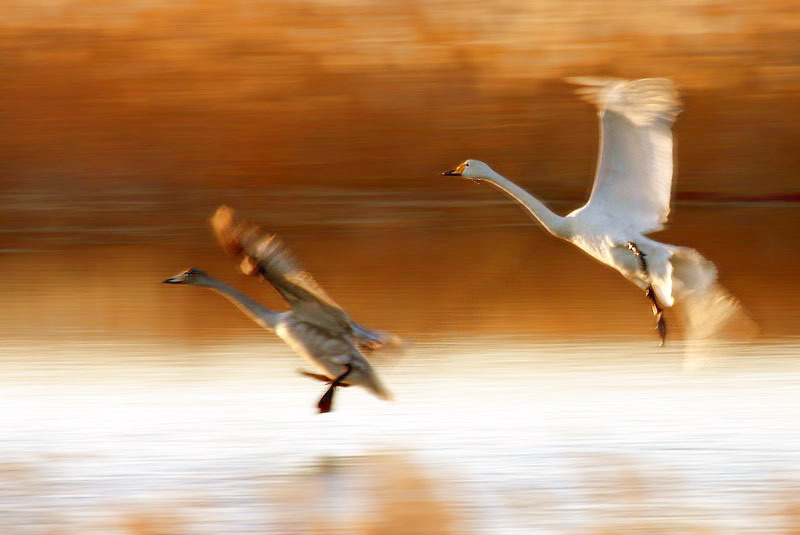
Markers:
point(317, 376)
point(658, 312)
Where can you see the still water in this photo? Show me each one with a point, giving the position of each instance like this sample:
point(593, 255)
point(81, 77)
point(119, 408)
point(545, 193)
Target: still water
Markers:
point(531, 388)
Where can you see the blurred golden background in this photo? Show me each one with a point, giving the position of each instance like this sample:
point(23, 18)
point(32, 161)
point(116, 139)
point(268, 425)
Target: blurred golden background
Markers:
point(373, 93)
point(533, 398)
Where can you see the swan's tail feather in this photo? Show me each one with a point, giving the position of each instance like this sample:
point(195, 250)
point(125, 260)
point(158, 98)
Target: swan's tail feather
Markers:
point(715, 314)
point(376, 386)
point(708, 310)
point(691, 273)
point(364, 375)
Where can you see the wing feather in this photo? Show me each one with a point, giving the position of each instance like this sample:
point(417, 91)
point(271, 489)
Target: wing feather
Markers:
point(263, 254)
point(635, 167)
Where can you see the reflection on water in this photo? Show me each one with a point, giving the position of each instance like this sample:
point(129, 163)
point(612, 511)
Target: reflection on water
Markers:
point(469, 262)
point(534, 388)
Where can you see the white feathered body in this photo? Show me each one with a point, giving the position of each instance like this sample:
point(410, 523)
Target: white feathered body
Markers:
point(631, 198)
point(632, 189)
point(606, 237)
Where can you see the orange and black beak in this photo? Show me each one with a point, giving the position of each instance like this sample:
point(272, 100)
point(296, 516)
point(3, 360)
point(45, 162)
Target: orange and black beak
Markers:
point(180, 278)
point(452, 172)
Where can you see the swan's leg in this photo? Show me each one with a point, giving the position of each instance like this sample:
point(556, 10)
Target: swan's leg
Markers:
point(640, 255)
point(326, 401)
point(658, 312)
point(319, 377)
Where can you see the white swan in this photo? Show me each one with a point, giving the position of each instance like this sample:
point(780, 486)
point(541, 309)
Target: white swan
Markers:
point(631, 198)
point(316, 327)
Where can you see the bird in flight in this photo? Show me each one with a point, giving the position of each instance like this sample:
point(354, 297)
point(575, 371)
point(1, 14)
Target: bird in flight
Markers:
point(631, 199)
point(317, 328)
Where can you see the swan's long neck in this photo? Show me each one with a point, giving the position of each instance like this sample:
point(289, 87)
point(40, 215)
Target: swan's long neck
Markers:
point(554, 223)
point(258, 313)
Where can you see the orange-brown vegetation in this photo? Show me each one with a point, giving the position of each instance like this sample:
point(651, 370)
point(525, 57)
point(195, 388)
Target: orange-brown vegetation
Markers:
point(402, 498)
point(98, 92)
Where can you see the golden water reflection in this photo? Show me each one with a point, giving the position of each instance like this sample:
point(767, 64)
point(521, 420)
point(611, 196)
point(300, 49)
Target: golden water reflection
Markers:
point(424, 269)
point(532, 391)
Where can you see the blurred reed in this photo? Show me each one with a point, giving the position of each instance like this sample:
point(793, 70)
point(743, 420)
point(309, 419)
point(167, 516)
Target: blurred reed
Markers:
point(400, 497)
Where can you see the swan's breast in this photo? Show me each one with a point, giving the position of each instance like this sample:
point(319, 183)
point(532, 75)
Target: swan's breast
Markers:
point(597, 233)
point(312, 341)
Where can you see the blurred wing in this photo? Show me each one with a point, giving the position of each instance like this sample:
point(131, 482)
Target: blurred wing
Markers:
point(264, 254)
point(715, 314)
point(634, 171)
point(367, 339)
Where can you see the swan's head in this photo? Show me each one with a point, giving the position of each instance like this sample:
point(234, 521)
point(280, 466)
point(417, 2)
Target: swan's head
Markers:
point(474, 169)
point(195, 277)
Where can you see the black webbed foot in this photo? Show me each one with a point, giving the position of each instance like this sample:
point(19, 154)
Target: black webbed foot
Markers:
point(658, 312)
point(661, 325)
point(326, 401)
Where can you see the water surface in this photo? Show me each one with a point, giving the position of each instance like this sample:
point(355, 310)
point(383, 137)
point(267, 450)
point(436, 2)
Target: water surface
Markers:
point(533, 390)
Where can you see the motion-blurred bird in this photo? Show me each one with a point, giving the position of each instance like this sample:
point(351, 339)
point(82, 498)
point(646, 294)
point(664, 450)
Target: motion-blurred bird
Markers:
point(316, 327)
point(631, 198)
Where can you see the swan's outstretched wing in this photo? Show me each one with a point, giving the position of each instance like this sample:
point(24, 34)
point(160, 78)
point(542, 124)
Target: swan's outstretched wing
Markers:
point(634, 170)
point(262, 253)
